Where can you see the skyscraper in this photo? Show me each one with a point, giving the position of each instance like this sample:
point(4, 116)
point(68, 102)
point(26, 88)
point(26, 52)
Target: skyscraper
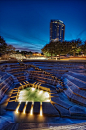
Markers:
point(57, 30)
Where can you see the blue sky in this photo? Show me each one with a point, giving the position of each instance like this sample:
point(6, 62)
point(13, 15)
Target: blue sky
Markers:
point(26, 23)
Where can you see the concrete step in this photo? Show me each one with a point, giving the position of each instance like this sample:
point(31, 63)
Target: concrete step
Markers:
point(77, 111)
point(76, 83)
point(28, 107)
point(75, 98)
point(61, 103)
point(76, 90)
point(49, 109)
point(63, 112)
point(12, 106)
point(12, 126)
point(36, 108)
point(77, 76)
point(21, 107)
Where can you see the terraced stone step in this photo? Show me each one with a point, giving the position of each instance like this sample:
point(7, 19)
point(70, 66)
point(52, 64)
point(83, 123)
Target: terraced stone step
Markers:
point(16, 70)
point(36, 108)
point(49, 109)
point(21, 107)
point(46, 108)
point(28, 107)
point(63, 112)
point(77, 111)
point(12, 106)
point(61, 103)
point(76, 83)
point(74, 89)
point(54, 94)
point(75, 98)
point(77, 76)
point(14, 94)
point(10, 126)
point(21, 79)
point(18, 74)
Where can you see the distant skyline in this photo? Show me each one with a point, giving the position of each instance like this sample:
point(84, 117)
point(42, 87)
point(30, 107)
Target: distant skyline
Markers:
point(26, 23)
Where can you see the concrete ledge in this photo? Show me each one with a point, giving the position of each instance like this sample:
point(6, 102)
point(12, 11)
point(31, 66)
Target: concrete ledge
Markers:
point(77, 111)
point(59, 102)
point(49, 109)
point(12, 106)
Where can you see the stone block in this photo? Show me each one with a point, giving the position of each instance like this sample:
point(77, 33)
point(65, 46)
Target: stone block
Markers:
point(49, 109)
point(61, 103)
point(12, 106)
point(77, 111)
point(36, 108)
point(21, 107)
point(28, 107)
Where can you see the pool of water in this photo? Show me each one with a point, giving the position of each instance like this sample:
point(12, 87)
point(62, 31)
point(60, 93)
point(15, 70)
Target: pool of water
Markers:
point(33, 95)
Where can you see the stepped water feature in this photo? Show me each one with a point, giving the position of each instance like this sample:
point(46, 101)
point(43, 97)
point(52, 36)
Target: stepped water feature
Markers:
point(43, 92)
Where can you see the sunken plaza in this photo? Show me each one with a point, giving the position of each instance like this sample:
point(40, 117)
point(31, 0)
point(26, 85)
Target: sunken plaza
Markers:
point(42, 95)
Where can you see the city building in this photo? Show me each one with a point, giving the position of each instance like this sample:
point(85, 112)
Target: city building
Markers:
point(57, 30)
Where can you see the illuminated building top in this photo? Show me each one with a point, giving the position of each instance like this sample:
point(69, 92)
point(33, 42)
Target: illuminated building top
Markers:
point(57, 29)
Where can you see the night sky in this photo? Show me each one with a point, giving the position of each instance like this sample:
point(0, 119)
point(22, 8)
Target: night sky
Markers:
point(26, 23)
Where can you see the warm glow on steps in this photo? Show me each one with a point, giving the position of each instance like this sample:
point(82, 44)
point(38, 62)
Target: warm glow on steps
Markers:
point(41, 109)
point(18, 107)
point(25, 107)
point(31, 111)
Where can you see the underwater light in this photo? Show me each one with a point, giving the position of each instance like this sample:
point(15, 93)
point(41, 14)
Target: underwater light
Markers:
point(40, 92)
point(46, 94)
point(48, 100)
point(33, 89)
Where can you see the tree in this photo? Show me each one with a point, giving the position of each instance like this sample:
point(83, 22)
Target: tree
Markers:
point(30, 53)
point(45, 50)
point(3, 45)
point(57, 48)
point(17, 52)
point(75, 44)
point(10, 49)
point(78, 51)
point(83, 47)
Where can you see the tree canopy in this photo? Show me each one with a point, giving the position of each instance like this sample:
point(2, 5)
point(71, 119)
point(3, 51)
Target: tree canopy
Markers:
point(83, 47)
point(4, 48)
point(57, 48)
point(3, 45)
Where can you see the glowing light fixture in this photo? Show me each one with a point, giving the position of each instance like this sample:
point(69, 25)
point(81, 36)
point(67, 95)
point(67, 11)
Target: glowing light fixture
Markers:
point(41, 109)
point(40, 92)
point(31, 111)
point(46, 94)
point(18, 107)
point(48, 100)
point(25, 107)
point(33, 89)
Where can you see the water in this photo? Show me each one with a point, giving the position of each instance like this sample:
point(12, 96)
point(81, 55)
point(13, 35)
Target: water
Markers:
point(33, 95)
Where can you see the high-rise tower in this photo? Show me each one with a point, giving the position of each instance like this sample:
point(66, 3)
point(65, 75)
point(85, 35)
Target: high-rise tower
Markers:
point(57, 30)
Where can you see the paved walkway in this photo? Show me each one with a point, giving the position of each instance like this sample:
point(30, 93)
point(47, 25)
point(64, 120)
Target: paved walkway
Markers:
point(51, 126)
